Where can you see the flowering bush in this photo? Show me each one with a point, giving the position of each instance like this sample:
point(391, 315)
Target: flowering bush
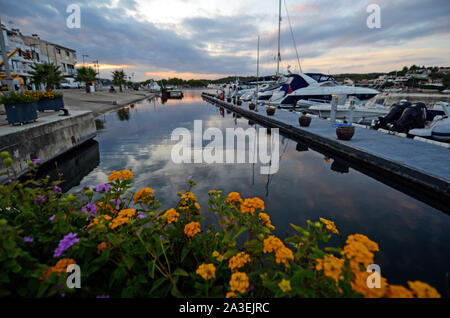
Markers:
point(128, 246)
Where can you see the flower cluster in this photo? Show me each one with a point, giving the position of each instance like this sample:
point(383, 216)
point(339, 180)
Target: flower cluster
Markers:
point(331, 266)
point(265, 220)
point(285, 285)
point(123, 217)
point(90, 208)
point(68, 240)
point(239, 282)
point(171, 216)
point(143, 195)
point(233, 198)
point(251, 205)
point(192, 228)
point(329, 225)
point(120, 175)
point(238, 261)
point(206, 271)
point(60, 267)
point(282, 253)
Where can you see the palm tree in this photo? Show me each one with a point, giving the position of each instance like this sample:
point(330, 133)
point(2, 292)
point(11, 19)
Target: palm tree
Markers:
point(119, 78)
point(46, 73)
point(87, 75)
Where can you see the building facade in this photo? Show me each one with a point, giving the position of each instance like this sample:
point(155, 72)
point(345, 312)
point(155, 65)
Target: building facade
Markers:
point(24, 51)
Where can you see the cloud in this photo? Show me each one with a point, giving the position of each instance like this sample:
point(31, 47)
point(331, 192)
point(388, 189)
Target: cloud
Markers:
point(210, 39)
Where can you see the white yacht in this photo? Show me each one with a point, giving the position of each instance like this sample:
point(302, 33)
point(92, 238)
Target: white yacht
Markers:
point(315, 86)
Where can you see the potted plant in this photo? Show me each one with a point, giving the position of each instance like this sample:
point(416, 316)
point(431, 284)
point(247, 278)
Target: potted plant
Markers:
point(304, 120)
point(270, 110)
point(20, 108)
point(252, 106)
point(239, 102)
point(345, 131)
point(229, 99)
point(50, 101)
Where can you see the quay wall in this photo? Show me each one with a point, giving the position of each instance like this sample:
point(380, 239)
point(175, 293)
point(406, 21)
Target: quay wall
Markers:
point(45, 140)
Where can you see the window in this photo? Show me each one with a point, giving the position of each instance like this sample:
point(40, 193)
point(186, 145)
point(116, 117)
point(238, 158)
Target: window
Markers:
point(58, 51)
point(67, 54)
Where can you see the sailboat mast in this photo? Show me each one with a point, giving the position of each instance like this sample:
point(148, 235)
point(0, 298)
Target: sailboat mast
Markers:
point(257, 74)
point(279, 35)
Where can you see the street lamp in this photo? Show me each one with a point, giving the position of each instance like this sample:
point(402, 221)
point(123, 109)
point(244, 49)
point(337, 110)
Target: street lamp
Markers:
point(84, 55)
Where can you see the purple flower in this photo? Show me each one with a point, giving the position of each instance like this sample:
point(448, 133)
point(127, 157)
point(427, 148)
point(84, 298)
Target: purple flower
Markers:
point(86, 187)
point(141, 216)
point(102, 296)
point(91, 208)
point(250, 289)
point(57, 189)
point(37, 161)
point(39, 199)
point(103, 188)
point(115, 202)
point(28, 239)
point(51, 218)
point(189, 178)
point(65, 243)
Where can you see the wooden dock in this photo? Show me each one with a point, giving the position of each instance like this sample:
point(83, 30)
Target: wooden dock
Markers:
point(422, 167)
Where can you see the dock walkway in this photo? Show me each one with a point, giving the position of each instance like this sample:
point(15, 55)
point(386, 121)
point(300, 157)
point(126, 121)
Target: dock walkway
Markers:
point(426, 165)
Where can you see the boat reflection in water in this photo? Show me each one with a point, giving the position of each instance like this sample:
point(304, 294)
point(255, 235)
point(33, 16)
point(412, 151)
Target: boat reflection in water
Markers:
point(72, 166)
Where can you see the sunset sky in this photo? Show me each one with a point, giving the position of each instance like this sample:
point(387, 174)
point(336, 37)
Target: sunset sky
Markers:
point(210, 39)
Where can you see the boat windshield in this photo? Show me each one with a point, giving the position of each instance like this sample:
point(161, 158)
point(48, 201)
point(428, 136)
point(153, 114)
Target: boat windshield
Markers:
point(320, 78)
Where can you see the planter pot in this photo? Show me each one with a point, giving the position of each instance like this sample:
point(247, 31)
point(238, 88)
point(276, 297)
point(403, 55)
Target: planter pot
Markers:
point(345, 132)
point(239, 102)
point(50, 104)
point(21, 113)
point(229, 99)
point(304, 121)
point(270, 111)
point(252, 106)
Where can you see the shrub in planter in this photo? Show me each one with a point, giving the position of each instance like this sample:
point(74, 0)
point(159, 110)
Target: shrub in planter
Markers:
point(229, 99)
point(251, 106)
point(128, 246)
point(239, 102)
point(20, 108)
point(270, 110)
point(50, 101)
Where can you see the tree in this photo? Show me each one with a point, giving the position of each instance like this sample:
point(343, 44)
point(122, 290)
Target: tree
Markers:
point(87, 75)
point(119, 78)
point(46, 73)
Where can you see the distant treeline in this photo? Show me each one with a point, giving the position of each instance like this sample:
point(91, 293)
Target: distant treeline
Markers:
point(340, 77)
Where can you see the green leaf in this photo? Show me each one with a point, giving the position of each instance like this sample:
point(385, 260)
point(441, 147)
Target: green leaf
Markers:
point(241, 230)
point(156, 285)
point(151, 268)
point(180, 272)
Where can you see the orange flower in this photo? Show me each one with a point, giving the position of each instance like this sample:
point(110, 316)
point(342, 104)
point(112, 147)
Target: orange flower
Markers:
point(143, 195)
point(233, 198)
point(251, 205)
point(191, 229)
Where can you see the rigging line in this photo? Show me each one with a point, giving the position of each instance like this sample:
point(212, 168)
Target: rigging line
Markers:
point(292, 34)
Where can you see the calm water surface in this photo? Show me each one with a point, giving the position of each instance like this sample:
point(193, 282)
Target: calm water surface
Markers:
point(413, 236)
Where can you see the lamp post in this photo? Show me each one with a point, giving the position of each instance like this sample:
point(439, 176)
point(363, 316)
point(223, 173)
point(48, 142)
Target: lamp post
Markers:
point(84, 55)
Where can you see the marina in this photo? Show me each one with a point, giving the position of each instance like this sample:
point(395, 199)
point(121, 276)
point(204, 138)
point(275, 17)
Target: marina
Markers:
point(186, 151)
point(313, 180)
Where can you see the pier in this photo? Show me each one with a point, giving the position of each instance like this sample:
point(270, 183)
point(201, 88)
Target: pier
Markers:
point(423, 166)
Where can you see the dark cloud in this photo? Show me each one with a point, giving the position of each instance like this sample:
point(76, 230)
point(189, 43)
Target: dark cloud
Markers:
point(115, 37)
